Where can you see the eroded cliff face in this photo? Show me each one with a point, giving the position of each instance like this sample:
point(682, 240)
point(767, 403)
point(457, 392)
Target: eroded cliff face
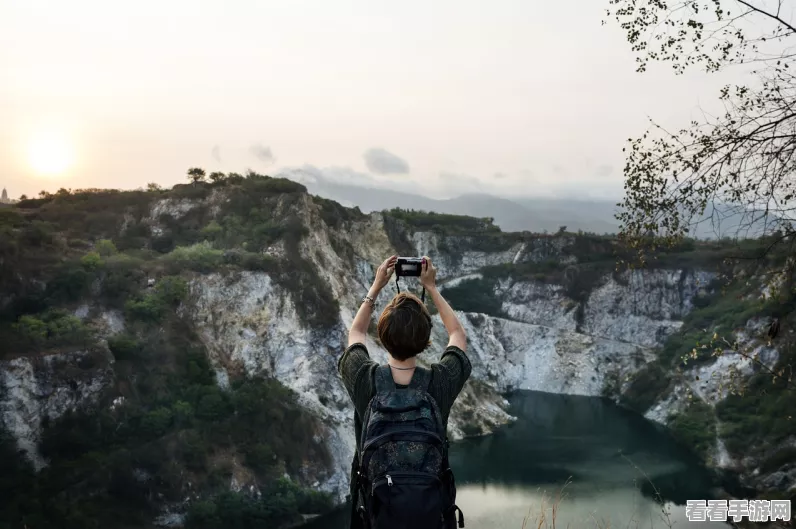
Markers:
point(250, 325)
point(37, 389)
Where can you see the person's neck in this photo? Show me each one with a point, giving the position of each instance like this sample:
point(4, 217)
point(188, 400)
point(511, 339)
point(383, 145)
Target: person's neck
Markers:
point(402, 364)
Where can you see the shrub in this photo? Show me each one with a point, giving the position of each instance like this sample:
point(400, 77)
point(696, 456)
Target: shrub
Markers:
point(124, 347)
point(69, 283)
point(53, 328)
point(443, 223)
point(149, 309)
point(212, 230)
point(696, 428)
point(92, 261)
point(645, 388)
point(212, 406)
point(475, 295)
point(123, 277)
point(171, 290)
point(32, 330)
point(106, 248)
point(156, 422)
point(201, 257)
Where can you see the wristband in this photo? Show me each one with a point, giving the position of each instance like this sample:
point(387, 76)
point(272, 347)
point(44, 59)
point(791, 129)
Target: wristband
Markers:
point(370, 300)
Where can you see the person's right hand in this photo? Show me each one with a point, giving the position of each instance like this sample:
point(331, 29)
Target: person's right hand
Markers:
point(428, 275)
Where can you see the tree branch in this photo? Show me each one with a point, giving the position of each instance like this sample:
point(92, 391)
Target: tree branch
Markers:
point(770, 15)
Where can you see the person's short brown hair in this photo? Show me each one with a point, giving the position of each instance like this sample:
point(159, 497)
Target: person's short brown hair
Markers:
point(405, 326)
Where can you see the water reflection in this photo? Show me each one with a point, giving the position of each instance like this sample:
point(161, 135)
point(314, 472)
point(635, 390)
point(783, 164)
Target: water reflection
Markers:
point(610, 455)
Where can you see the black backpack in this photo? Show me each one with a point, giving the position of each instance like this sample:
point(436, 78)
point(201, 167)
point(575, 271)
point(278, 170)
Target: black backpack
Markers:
point(404, 479)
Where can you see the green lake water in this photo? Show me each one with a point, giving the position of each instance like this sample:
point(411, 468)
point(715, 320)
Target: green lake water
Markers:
point(609, 462)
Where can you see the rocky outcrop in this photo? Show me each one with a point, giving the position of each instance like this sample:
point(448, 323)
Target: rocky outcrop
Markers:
point(39, 388)
point(642, 307)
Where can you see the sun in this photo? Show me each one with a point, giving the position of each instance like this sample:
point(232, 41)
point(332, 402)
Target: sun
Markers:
point(50, 154)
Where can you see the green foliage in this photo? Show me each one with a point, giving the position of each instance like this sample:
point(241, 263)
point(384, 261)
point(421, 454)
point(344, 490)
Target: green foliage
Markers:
point(475, 295)
point(106, 248)
point(717, 314)
point(201, 257)
point(732, 168)
point(778, 459)
point(38, 233)
point(173, 420)
point(122, 279)
point(92, 261)
point(171, 290)
point(152, 307)
point(696, 427)
point(763, 413)
point(54, 328)
point(646, 386)
point(93, 214)
point(32, 330)
point(212, 230)
point(334, 214)
point(196, 174)
point(124, 346)
point(443, 223)
point(278, 506)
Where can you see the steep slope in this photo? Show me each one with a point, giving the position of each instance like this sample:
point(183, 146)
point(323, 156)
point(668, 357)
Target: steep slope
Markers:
point(192, 322)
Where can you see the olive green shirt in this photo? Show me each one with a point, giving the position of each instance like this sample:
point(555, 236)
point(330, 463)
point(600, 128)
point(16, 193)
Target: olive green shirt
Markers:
point(358, 372)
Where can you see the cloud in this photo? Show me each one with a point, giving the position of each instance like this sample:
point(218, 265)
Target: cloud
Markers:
point(262, 153)
point(500, 176)
point(560, 171)
point(309, 174)
point(216, 153)
point(603, 171)
point(380, 161)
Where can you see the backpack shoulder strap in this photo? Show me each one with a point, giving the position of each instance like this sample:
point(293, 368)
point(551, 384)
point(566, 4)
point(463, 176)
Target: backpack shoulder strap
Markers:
point(384, 381)
point(421, 379)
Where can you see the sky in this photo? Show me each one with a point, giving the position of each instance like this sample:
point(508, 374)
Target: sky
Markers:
point(446, 97)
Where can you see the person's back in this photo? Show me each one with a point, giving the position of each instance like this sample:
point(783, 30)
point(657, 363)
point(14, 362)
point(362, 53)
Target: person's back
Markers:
point(400, 474)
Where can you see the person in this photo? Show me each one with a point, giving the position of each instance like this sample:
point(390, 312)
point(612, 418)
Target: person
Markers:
point(404, 330)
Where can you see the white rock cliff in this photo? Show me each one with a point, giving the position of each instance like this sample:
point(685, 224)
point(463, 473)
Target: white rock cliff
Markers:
point(250, 325)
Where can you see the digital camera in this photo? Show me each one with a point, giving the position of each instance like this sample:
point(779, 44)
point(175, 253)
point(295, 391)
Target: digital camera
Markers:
point(408, 266)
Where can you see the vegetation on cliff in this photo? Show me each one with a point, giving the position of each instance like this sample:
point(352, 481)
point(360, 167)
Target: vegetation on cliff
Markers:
point(758, 410)
point(174, 433)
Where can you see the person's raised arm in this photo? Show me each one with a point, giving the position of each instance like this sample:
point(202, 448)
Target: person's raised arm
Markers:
point(359, 328)
point(456, 334)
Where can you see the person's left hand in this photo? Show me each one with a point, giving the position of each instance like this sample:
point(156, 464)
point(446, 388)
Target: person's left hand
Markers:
point(384, 272)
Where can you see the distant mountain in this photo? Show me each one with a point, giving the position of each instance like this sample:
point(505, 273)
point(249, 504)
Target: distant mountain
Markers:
point(525, 213)
point(535, 215)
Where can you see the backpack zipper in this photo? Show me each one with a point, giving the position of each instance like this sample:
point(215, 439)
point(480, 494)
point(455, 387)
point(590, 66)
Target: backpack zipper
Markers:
point(389, 480)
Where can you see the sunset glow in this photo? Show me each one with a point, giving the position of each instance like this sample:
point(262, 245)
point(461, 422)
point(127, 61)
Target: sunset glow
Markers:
point(50, 154)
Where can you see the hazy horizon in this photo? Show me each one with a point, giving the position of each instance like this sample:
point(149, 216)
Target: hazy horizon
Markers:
point(441, 100)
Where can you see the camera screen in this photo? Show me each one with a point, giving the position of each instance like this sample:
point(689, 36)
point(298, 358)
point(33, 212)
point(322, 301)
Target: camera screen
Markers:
point(409, 267)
